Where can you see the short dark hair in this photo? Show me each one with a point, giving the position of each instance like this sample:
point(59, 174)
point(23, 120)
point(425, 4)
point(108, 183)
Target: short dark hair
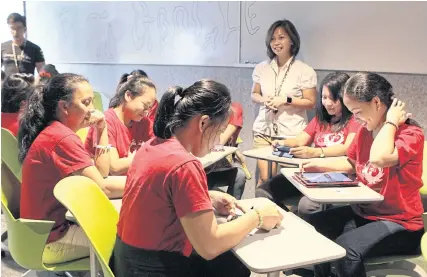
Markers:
point(335, 82)
point(16, 17)
point(16, 88)
point(290, 30)
point(178, 106)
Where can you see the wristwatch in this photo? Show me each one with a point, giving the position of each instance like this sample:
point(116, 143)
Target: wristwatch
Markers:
point(288, 100)
point(322, 155)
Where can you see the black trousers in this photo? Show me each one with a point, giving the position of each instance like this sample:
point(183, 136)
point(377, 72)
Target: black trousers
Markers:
point(129, 261)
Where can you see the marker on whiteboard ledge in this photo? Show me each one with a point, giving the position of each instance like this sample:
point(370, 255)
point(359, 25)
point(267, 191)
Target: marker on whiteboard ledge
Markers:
point(250, 62)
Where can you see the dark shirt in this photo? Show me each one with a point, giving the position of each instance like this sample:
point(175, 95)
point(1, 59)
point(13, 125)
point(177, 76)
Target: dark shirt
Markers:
point(26, 62)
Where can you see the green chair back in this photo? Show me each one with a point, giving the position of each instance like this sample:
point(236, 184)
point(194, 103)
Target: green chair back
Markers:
point(93, 212)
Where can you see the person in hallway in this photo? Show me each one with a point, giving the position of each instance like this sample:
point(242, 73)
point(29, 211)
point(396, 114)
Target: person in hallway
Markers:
point(331, 132)
point(20, 55)
point(128, 126)
point(15, 91)
point(167, 210)
point(387, 156)
point(50, 150)
point(229, 171)
point(285, 88)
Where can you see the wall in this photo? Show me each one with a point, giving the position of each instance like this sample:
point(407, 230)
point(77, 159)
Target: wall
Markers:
point(410, 88)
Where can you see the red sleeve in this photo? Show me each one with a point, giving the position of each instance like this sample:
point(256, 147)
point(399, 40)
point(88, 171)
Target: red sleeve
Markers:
point(409, 142)
point(354, 146)
point(236, 117)
point(69, 155)
point(112, 131)
point(353, 126)
point(312, 127)
point(89, 142)
point(189, 189)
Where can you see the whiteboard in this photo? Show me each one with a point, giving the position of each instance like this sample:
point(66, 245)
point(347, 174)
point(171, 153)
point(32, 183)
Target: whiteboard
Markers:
point(188, 33)
point(371, 36)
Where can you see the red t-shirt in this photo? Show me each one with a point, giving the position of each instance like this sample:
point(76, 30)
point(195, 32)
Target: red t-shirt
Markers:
point(398, 184)
point(120, 136)
point(236, 119)
point(10, 121)
point(55, 154)
point(164, 183)
point(322, 136)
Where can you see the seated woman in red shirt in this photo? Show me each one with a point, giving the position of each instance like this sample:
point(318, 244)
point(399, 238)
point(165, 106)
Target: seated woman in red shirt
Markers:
point(330, 132)
point(50, 150)
point(127, 122)
point(387, 156)
point(167, 208)
point(15, 90)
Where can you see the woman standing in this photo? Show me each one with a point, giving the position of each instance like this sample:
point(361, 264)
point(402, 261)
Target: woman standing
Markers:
point(284, 86)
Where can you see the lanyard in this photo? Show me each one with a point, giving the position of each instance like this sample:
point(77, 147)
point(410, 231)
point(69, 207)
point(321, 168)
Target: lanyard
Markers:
point(15, 58)
point(279, 88)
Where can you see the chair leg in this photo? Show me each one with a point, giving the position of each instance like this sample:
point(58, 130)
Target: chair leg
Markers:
point(404, 268)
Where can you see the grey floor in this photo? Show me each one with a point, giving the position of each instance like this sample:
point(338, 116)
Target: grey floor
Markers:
point(10, 269)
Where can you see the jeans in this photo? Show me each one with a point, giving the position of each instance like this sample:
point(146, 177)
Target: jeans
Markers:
point(234, 178)
point(279, 189)
point(361, 238)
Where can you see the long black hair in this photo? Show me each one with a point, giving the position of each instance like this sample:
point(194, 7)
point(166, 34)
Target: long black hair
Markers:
point(41, 108)
point(335, 83)
point(364, 86)
point(178, 106)
point(290, 30)
point(16, 89)
point(134, 83)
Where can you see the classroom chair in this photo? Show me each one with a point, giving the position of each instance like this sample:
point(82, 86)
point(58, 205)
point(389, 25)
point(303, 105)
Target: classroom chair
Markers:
point(10, 176)
point(93, 212)
point(399, 265)
point(97, 101)
point(27, 239)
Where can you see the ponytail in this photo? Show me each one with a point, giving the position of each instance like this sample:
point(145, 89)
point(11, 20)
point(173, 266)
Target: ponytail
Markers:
point(134, 83)
point(32, 122)
point(165, 112)
point(42, 106)
point(178, 106)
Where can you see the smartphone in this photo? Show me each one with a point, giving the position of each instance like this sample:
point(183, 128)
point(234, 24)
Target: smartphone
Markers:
point(285, 149)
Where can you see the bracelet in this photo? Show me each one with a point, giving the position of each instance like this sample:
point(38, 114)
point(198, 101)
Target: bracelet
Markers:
point(389, 122)
point(260, 219)
point(103, 147)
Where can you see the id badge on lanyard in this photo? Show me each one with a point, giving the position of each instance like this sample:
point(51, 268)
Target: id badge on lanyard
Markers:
point(15, 58)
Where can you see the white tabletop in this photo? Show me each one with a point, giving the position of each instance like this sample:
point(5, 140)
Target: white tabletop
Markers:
point(280, 249)
point(213, 157)
point(294, 244)
point(266, 153)
point(349, 195)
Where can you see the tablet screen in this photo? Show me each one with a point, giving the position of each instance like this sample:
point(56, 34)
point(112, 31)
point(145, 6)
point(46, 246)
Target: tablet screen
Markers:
point(330, 177)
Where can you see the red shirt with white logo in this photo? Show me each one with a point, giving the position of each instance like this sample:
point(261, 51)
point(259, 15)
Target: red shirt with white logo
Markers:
point(10, 121)
point(236, 119)
point(164, 183)
point(399, 184)
point(124, 139)
point(56, 153)
point(322, 136)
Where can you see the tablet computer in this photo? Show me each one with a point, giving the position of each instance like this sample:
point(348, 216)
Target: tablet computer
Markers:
point(326, 179)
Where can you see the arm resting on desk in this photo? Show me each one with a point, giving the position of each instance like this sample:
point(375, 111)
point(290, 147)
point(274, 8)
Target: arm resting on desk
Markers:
point(118, 165)
point(210, 239)
point(342, 164)
point(113, 187)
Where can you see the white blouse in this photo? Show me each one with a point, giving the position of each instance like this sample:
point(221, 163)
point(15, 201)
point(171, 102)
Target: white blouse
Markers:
point(289, 119)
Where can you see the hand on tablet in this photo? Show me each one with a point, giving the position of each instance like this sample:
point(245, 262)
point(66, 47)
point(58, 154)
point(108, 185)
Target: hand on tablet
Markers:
point(310, 166)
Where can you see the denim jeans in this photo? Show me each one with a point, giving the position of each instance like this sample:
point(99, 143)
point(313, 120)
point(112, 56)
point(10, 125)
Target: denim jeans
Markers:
point(361, 238)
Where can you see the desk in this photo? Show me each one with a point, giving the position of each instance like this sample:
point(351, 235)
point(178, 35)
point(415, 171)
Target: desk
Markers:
point(213, 157)
point(284, 248)
point(280, 249)
point(349, 195)
point(266, 154)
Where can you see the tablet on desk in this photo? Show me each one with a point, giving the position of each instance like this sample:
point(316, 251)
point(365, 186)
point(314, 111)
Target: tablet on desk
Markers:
point(325, 179)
